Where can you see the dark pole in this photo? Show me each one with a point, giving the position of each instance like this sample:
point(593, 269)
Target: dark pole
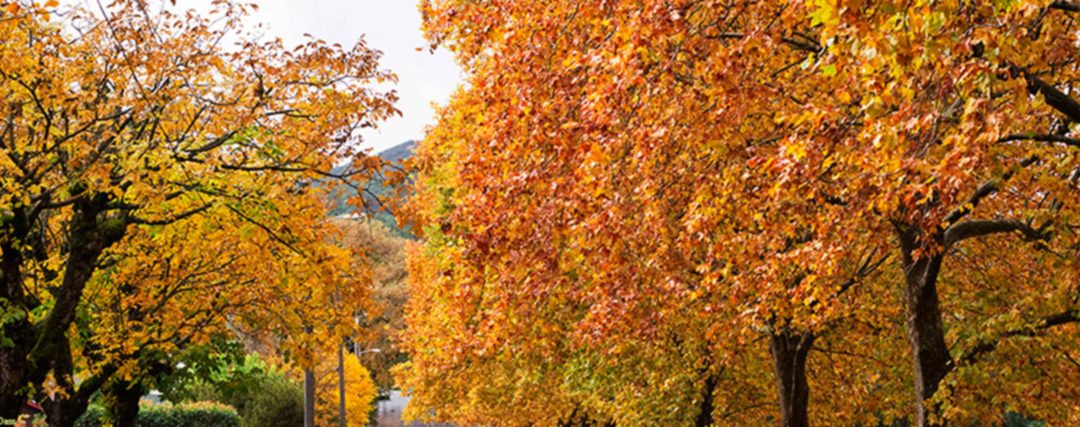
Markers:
point(309, 393)
point(341, 382)
point(309, 398)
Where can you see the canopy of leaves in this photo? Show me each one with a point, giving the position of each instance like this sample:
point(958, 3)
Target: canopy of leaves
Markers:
point(156, 187)
point(628, 196)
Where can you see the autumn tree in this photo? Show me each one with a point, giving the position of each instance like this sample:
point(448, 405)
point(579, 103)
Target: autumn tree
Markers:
point(594, 177)
point(961, 132)
point(360, 391)
point(753, 166)
point(451, 347)
point(539, 275)
point(153, 304)
point(384, 250)
point(131, 128)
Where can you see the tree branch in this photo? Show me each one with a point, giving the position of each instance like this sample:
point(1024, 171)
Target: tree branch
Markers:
point(977, 228)
point(268, 231)
point(1054, 97)
point(175, 218)
point(212, 144)
point(1062, 318)
point(1042, 138)
point(1067, 6)
point(984, 191)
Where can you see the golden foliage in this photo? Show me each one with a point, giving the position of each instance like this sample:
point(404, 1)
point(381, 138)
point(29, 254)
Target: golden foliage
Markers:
point(360, 392)
point(627, 198)
point(158, 183)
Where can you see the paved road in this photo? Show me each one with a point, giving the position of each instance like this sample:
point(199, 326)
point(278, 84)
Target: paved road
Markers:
point(390, 412)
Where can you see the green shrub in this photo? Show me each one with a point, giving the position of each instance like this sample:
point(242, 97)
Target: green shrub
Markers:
point(261, 399)
point(209, 414)
point(262, 395)
point(93, 417)
point(277, 401)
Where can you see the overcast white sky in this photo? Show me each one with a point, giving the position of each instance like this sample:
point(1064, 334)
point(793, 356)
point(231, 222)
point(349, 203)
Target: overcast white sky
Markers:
point(392, 26)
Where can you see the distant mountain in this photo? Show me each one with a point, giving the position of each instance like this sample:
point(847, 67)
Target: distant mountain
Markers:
point(393, 154)
point(339, 204)
point(399, 152)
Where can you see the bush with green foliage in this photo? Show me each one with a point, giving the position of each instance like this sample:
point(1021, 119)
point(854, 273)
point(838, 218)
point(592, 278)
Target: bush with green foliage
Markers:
point(261, 395)
point(279, 401)
point(206, 414)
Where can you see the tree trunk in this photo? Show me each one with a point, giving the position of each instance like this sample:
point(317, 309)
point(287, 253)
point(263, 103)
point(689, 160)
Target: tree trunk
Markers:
point(341, 385)
point(789, 351)
point(124, 403)
point(924, 327)
point(705, 417)
point(33, 349)
point(64, 411)
point(89, 236)
point(14, 367)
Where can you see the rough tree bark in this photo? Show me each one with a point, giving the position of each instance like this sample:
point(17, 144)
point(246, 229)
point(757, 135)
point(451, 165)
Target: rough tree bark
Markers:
point(16, 330)
point(932, 361)
point(34, 350)
point(705, 417)
point(789, 351)
point(123, 406)
point(63, 412)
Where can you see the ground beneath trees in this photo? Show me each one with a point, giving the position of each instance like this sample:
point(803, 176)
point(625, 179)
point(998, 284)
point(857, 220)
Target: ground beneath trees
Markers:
point(390, 412)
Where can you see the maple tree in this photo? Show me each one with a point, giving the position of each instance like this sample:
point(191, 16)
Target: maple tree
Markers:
point(943, 100)
point(625, 176)
point(611, 215)
point(158, 175)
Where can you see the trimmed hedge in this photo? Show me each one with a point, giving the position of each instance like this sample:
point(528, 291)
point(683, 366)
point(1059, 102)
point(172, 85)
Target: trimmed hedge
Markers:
point(209, 414)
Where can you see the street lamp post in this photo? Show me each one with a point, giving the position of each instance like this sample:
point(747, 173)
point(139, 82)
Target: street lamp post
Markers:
point(309, 392)
point(309, 398)
point(341, 382)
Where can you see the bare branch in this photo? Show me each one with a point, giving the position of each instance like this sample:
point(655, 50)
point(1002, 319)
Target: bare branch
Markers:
point(1058, 319)
point(1054, 97)
point(1067, 6)
point(977, 228)
point(1042, 138)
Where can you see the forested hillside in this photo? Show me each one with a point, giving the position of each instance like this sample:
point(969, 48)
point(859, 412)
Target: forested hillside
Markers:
point(376, 194)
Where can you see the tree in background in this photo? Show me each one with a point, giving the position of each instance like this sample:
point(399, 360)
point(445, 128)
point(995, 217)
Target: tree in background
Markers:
point(131, 128)
point(152, 305)
point(360, 392)
point(384, 250)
